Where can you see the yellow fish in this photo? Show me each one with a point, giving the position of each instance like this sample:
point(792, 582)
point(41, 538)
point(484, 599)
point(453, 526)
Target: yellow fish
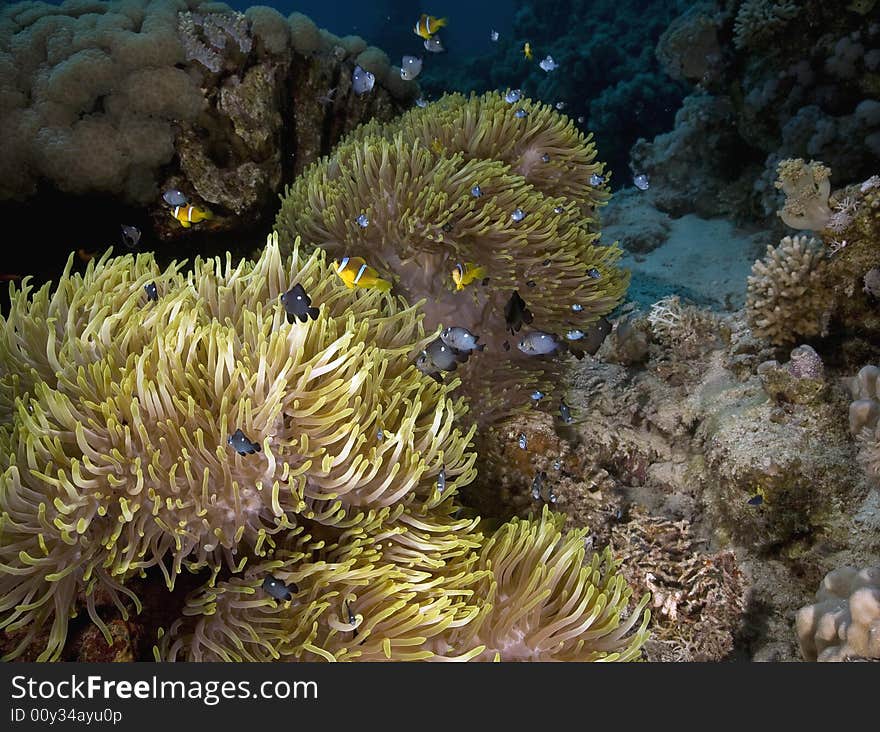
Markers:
point(355, 272)
point(464, 274)
point(189, 215)
point(428, 25)
point(527, 50)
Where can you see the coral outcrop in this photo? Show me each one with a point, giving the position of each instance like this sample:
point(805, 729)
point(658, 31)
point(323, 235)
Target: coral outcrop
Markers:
point(471, 180)
point(124, 99)
point(843, 624)
point(161, 428)
point(864, 418)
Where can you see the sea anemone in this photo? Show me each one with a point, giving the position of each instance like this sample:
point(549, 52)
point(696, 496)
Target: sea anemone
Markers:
point(440, 186)
point(116, 411)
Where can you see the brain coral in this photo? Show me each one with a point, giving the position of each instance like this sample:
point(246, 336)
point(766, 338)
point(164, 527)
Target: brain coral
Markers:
point(787, 295)
point(844, 622)
point(415, 179)
point(115, 413)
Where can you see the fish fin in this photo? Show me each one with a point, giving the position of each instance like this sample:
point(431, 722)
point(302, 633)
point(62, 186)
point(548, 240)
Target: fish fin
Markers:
point(312, 313)
point(258, 447)
point(576, 352)
point(185, 224)
point(383, 285)
point(481, 347)
point(479, 272)
point(485, 281)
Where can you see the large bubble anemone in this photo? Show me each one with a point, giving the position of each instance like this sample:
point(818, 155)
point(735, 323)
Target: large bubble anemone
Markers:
point(414, 180)
point(116, 412)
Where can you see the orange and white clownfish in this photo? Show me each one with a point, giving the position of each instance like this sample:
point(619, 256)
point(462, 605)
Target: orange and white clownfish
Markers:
point(189, 215)
point(428, 25)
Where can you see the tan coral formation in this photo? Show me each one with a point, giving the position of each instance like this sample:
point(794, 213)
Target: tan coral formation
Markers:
point(844, 622)
point(787, 294)
point(864, 418)
point(806, 187)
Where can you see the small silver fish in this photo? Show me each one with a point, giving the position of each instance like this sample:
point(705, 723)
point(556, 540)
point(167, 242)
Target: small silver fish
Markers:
point(581, 120)
point(596, 179)
point(173, 197)
point(410, 67)
point(522, 441)
point(537, 484)
point(152, 291)
point(574, 335)
point(131, 235)
point(594, 273)
point(444, 357)
point(277, 589)
point(298, 304)
point(537, 395)
point(441, 479)
point(560, 106)
point(520, 113)
point(565, 411)
point(558, 209)
point(547, 63)
point(518, 214)
point(557, 464)
point(362, 81)
point(756, 500)
point(461, 339)
point(241, 444)
point(494, 35)
point(641, 182)
point(380, 435)
point(577, 307)
point(545, 158)
point(363, 221)
point(476, 191)
point(551, 496)
point(539, 343)
point(434, 45)
point(513, 96)
point(421, 102)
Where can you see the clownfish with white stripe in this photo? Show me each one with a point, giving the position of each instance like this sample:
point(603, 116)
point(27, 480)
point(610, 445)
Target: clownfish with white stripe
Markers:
point(355, 272)
point(428, 25)
point(189, 215)
point(464, 274)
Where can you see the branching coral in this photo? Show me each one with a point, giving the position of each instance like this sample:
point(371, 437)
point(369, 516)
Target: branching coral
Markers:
point(787, 296)
point(806, 188)
point(844, 622)
point(757, 21)
point(116, 412)
point(414, 180)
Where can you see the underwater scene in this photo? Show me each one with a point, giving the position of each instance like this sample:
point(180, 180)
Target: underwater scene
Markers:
point(504, 331)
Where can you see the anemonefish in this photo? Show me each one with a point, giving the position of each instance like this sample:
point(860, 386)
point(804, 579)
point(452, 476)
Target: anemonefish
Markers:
point(464, 274)
point(355, 272)
point(527, 50)
point(428, 25)
point(189, 215)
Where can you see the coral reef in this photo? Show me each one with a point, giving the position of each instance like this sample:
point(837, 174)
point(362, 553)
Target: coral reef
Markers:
point(788, 80)
point(608, 77)
point(726, 489)
point(788, 296)
point(120, 467)
point(844, 622)
point(413, 180)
